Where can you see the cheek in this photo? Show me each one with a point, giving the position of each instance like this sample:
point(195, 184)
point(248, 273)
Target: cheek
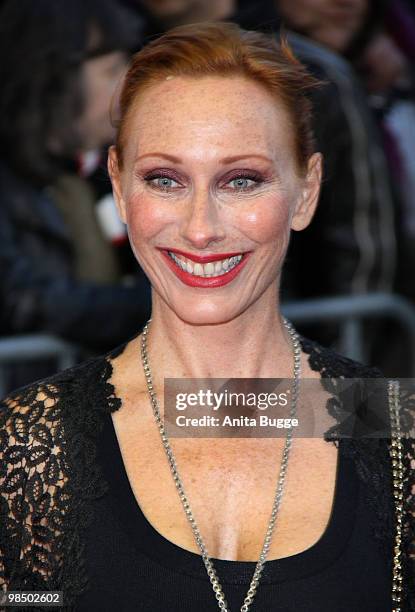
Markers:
point(147, 219)
point(268, 222)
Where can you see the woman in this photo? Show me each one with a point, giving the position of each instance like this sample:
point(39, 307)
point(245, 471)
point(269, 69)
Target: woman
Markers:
point(59, 272)
point(212, 168)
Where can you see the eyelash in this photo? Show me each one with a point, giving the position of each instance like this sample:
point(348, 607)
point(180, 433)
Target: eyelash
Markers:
point(148, 178)
point(159, 175)
point(251, 176)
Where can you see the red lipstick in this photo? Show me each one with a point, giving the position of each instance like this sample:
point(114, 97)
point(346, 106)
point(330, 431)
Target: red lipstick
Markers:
point(202, 258)
point(200, 281)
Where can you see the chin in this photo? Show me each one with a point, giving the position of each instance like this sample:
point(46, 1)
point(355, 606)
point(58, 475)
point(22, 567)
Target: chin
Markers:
point(205, 314)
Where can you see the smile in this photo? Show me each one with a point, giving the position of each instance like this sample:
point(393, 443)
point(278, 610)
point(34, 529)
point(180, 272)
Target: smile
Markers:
point(209, 271)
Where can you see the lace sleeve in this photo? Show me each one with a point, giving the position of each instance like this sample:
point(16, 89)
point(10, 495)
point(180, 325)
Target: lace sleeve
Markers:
point(408, 533)
point(49, 479)
point(33, 489)
point(372, 459)
point(409, 521)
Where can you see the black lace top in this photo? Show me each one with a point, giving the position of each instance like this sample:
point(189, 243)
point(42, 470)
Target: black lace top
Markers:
point(53, 482)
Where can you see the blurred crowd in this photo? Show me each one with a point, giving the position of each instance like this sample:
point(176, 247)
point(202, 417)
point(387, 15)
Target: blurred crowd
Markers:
point(65, 263)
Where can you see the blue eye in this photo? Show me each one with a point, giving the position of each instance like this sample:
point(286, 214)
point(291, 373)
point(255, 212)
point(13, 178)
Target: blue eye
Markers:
point(241, 183)
point(164, 182)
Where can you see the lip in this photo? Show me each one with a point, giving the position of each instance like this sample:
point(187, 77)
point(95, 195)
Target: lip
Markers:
point(202, 259)
point(200, 281)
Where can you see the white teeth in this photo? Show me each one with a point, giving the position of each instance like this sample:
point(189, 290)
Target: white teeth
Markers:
point(179, 262)
point(209, 269)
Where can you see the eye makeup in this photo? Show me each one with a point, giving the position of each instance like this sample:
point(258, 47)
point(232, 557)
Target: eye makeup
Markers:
point(167, 175)
point(160, 173)
point(244, 174)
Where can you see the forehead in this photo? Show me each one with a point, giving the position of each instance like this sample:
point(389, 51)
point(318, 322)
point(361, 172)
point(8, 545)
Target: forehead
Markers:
point(210, 113)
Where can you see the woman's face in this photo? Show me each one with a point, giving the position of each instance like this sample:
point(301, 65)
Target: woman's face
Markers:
point(100, 77)
point(333, 23)
point(210, 190)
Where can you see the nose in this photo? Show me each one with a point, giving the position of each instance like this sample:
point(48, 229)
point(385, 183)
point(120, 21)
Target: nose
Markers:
point(202, 224)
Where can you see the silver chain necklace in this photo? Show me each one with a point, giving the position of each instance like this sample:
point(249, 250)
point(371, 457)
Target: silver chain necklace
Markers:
point(217, 588)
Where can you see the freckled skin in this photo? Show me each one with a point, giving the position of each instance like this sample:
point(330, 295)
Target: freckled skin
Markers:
point(229, 331)
point(203, 122)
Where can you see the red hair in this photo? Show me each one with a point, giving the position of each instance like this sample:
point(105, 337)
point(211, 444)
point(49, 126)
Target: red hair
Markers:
point(224, 49)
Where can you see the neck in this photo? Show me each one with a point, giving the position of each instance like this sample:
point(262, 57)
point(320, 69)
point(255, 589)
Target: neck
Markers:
point(253, 345)
point(203, 11)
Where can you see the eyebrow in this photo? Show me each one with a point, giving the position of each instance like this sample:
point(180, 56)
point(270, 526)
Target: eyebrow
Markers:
point(229, 160)
point(172, 158)
point(225, 160)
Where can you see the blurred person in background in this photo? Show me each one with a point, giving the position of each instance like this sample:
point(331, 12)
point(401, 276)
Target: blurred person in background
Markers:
point(161, 15)
point(351, 242)
point(378, 39)
point(60, 63)
point(385, 60)
point(332, 23)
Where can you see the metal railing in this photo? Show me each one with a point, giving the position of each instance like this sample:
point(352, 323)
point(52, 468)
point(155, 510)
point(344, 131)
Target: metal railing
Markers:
point(349, 312)
point(35, 347)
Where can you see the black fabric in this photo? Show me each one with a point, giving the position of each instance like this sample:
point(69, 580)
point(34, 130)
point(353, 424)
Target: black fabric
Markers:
point(39, 291)
point(133, 567)
point(68, 520)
